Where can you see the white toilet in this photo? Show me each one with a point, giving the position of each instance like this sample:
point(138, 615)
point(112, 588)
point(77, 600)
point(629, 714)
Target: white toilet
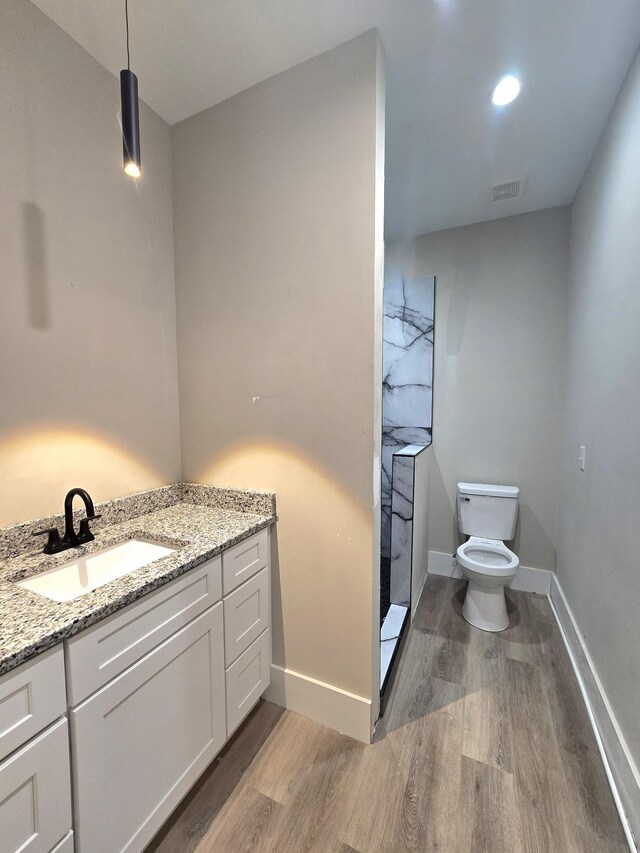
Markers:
point(487, 514)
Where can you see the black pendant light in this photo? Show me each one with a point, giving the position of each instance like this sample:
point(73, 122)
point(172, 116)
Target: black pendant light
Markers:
point(129, 111)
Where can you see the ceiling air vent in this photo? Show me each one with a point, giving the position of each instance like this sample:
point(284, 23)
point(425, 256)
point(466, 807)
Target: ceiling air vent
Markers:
point(512, 189)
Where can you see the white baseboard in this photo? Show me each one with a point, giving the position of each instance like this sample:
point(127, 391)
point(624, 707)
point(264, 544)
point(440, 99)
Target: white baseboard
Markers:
point(620, 767)
point(340, 710)
point(527, 579)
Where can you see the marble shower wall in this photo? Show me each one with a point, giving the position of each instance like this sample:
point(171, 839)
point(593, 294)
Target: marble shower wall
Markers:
point(407, 367)
point(402, 528)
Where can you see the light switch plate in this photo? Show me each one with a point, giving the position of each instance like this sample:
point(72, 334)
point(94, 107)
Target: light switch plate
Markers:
point(582, 459)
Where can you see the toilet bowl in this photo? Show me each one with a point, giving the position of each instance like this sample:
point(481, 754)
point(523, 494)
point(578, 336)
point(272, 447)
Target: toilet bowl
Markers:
point(488, 565)
point(487, 514)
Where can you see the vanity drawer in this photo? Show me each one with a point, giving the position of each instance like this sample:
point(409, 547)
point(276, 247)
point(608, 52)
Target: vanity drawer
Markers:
point(247, 679)
point(31, 697)
point(35, 794)
point(244, 560)
point(247, 612)
point(105, 650)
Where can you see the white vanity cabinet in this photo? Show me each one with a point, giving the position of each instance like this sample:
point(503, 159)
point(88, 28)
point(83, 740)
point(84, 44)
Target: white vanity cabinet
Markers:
point(152, 693)
point(156, 689)
point(35, 791)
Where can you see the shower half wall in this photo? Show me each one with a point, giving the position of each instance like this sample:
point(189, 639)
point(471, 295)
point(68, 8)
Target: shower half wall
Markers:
point(407, 386)
point(407, 369)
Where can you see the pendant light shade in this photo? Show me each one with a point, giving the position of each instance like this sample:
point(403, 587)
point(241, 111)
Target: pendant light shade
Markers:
point(130, 123)
point(129, 112)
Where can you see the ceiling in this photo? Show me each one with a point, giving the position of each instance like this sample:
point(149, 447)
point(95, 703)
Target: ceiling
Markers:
point(446, 143)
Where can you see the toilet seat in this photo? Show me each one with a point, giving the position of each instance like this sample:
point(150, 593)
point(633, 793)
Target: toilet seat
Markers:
point(489, 557)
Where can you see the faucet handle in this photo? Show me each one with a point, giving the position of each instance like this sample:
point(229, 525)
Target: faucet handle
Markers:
point(85, 534)
point(54, 543)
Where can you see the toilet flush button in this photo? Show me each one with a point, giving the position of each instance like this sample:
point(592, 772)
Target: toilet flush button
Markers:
point(582, 458)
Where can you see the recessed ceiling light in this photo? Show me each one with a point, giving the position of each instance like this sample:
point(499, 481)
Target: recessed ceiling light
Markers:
point(507, 90)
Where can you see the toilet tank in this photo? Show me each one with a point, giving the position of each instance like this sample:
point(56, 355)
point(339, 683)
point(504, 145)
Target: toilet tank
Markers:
point(488, 511)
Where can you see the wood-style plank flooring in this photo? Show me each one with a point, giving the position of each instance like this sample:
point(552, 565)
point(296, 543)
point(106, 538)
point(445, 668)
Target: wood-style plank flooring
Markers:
point(485, 747)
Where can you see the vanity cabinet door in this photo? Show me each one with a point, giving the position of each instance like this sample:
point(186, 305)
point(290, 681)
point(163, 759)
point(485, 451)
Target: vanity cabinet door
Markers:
point(35, 794)
point(141, 741)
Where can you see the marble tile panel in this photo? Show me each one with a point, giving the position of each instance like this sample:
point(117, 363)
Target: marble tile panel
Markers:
point(407, 356)
point(407, 352)
point(402, 529)
point(392, 625)
point(390, 637)
point(394, 439)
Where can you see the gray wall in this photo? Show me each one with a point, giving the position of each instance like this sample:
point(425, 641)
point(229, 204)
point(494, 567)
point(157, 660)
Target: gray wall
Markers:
point(88, 366)
point(598, 564)
point(499, 338)
point(279, 286)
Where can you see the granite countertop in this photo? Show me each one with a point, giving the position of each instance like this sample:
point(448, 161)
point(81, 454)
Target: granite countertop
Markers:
point(31, 623)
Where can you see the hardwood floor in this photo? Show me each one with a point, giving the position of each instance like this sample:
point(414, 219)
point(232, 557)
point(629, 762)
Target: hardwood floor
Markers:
point(485, 747)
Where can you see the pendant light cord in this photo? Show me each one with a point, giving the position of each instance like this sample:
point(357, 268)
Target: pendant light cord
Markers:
point(126, 18)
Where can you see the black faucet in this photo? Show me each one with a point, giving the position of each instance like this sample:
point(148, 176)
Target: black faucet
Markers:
point(71, 539)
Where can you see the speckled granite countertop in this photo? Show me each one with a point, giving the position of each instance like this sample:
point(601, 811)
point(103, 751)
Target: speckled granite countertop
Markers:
point(217, 519)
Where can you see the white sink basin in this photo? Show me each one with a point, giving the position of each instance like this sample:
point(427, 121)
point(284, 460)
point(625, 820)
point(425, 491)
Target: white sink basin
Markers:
point(71, 580)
